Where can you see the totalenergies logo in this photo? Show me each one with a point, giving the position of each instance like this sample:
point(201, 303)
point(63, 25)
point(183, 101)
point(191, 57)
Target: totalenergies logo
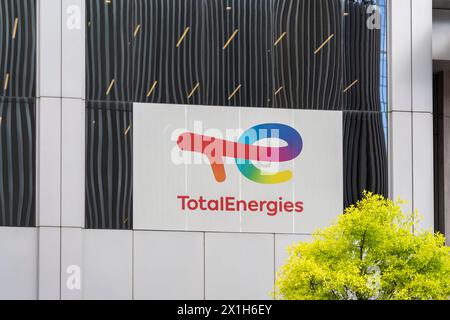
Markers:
point(245, 151)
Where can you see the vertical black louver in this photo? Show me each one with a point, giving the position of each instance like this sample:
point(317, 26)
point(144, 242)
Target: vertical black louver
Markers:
point(300, 54)
point(365, 152)
point(109, 114)
point(109, 167)
point(17, 113)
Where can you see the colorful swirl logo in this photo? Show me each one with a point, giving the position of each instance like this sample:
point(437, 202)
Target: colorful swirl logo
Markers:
point(269, 131)
point(245, 151)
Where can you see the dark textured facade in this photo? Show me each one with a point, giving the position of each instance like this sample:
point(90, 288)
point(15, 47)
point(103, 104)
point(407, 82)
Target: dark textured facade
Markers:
point(311, 54)
point(264, 53)
point(18, 113)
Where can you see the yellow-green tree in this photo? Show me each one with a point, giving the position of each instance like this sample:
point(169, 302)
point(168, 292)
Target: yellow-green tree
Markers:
point(371, 252)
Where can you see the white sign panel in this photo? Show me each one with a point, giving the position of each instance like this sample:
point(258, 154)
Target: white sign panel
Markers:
point(228, 169)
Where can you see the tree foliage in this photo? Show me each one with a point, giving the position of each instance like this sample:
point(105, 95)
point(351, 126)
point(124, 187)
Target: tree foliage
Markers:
point(372, 252)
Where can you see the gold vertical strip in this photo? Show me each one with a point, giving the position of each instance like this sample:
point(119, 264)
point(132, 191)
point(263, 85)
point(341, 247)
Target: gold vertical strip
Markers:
point(6, 82)
point(16, 25)
point(234, 92)
point(193, 90)
point(152, 88)
point(127, 130)
point(136, 30)
point(110, 86)
point(182, 37)
point(230, 39)
point(279, 90)
point(280, 38)
point(324, 44)
point(351, 85)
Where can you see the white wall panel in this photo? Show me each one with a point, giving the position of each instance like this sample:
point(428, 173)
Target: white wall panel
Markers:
point(423, 168)
point(49, 162)
point(422, 64)
point(49, 263)
point(73, 162)
point(239, 266)
point(107, 264)
point(72, 267)
point(400, 55)
point(73, 48)
point(49, 48)
point(168, 265)
point(400, 154)
point(18, 263)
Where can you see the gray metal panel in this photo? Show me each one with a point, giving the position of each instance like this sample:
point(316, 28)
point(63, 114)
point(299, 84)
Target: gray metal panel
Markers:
point(72, 163)
point(49, 263)
point(107, 264)
point(49, 53)
point(73, 48)
point(168, 265)
point(239, 266)
point(72, 267)
point(18, 263)
point(49, 162)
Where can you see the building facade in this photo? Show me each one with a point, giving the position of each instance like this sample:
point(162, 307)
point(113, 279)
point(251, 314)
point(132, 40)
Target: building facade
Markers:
point(101, 194)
